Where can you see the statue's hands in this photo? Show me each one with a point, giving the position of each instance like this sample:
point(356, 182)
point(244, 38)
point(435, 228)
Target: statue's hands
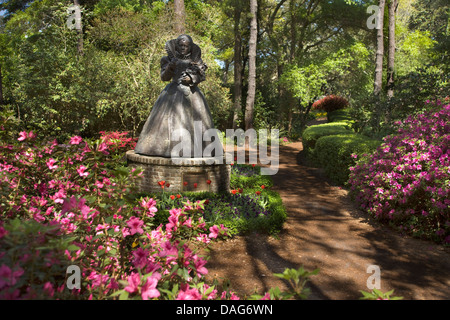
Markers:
point(172, 64)
point(186, 79)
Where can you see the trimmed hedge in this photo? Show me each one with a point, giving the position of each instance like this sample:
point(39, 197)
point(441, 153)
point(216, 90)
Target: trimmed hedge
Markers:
point(334, 153)
point(313, 133)
point(342, 115)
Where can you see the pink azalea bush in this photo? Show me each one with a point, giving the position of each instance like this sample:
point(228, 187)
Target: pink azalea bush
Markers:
point(72, 204)
point(407, 180)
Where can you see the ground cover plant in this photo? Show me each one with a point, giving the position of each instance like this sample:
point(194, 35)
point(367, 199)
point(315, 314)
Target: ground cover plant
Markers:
point(250, 206)
point(406, 181)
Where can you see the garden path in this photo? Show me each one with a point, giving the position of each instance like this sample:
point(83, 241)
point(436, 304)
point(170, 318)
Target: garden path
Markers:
point(325, 230)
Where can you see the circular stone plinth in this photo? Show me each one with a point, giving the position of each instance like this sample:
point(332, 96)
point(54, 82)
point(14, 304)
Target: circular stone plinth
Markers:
point(182, 174)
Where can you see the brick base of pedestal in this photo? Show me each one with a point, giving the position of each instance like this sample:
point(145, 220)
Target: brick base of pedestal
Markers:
point(181, 174)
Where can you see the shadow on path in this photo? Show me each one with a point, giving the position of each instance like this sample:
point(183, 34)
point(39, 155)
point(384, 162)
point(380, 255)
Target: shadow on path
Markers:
point(324, 230)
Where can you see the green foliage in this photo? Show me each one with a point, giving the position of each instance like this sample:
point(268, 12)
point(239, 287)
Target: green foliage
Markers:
point(9, 124)
point(253, 207)
point(37, 246)
point(379, 295)
point(334, 153)
point(112, 86)
point(313, 133)
point(375, 116)
point(342, 115)
point(414, 50)
point(297, 278)
point(305, 83)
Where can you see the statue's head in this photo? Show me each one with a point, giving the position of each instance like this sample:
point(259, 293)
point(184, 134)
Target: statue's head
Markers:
point(184, 44)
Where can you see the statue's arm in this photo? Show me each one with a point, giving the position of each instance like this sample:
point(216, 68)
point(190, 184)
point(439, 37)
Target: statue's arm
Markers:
point(199, 76)
point(167, 69)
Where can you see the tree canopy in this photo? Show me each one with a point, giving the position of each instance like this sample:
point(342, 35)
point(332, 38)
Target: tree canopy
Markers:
point(306, 49)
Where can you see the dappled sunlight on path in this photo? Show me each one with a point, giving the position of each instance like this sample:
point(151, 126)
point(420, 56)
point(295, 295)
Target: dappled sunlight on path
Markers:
point(324, 230)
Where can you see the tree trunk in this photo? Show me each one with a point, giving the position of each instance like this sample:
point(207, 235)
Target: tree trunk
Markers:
point(237, 107)
point(391, 51)
point(250, 104)
point(79, 28)
point(380, 50)
point(294, 28)
point(180, 17)
point(1, 86)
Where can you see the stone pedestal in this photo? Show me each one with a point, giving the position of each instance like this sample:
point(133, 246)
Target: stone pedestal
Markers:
point(185, 174)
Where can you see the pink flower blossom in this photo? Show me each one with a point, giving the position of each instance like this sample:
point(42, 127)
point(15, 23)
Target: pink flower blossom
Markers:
point(22, 136)
point(81, 171)
point(140, 258)
point(187, 293)
point(135, 225)
point(48, 289)
point(200, 265)
point(103, 148)
point(3, 232)
point(133, 282)
point(214, 232)
point(9, 277)
point(149, 205)
point(149, 290)
point(51, 164)
point(75, 140)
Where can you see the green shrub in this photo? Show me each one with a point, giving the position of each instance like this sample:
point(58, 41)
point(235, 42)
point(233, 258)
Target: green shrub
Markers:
point(313, 133)
point(334, 153)
point(342, 115)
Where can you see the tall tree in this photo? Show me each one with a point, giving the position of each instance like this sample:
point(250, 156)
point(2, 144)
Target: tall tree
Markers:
point(237, 104)
point(180, 16)
point(250, 103)
point(393, 5)
point(380, 50)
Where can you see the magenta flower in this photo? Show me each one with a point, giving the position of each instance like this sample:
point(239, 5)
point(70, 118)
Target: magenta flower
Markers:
point(51, 164)
point(22, 136)
point(3, 232)
point(81, 171)
point(408, 173)
point(187, 293)
point(9, 277)
point(174, 222)
point(200, 265)
point(135, 225)
point(140, 258)
point(149, 290)
point(214, 232)
point(98, 184)
point(149, 205)
point(75, 140)
point(48, 289)
point(103, 148)
point(133, 282)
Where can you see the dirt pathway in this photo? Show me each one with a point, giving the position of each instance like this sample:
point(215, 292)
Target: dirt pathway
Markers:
point(324, 230)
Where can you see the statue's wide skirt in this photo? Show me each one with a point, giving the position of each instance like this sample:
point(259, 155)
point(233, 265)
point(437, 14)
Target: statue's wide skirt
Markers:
point(178, 110)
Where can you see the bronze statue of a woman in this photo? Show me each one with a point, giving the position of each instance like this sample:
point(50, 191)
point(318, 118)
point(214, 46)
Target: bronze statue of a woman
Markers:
point(181, 105)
